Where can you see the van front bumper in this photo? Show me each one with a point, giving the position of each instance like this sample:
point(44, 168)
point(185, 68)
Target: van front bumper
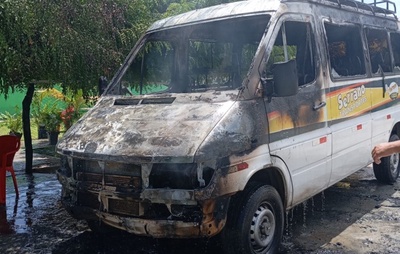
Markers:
point(211, 220)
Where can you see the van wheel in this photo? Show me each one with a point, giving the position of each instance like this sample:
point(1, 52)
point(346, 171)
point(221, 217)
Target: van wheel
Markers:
point(388, 170)
point(255, 222)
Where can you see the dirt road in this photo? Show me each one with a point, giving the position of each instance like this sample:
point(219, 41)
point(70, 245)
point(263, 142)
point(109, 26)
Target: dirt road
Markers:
point(358, 215)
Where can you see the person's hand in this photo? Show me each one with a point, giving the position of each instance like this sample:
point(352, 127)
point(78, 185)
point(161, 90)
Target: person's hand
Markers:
point(381, 150)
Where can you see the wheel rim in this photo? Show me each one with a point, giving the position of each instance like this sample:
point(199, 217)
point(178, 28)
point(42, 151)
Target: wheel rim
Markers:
point(262, 228)
point(394, 163)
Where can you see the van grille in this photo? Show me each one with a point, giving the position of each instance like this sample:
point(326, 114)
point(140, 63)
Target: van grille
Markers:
point(123, 207)
point(107, 168)
point(124, 176)
point(123, 182)
point(115, 206)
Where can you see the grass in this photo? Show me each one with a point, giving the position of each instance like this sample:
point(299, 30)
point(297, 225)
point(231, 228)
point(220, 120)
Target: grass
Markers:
point(34, 131)
point(3, 130)
point(47, 150)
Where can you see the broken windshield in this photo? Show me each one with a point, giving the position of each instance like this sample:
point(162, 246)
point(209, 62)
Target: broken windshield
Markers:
point(194, 58)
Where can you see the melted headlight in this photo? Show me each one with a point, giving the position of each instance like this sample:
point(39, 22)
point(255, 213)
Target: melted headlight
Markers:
point(179, 176)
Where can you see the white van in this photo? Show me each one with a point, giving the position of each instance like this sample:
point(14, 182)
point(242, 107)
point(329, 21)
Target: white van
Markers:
point(221, 119)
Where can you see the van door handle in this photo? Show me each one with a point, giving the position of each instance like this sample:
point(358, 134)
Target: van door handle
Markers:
point(322, 104)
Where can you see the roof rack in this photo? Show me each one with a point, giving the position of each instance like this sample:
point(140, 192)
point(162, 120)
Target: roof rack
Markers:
point(388, 4)
point(384, 7)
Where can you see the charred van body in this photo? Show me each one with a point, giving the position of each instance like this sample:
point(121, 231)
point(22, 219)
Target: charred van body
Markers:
point(223, 118)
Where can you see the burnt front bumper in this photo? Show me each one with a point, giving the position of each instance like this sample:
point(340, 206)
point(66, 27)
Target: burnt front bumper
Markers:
point(160, 213)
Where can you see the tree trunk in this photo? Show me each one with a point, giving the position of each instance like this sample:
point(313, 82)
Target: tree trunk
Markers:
point(26, 125)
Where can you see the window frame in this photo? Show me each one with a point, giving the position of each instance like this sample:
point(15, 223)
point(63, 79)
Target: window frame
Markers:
point(308, 20)
point(328, 55)
point(389, 48)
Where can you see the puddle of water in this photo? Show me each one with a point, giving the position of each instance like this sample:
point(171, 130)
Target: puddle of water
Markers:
point(36, 192)
point(297, 221)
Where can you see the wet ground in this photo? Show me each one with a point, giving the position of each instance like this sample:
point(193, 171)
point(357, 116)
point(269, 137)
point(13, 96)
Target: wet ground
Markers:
point(358, 215)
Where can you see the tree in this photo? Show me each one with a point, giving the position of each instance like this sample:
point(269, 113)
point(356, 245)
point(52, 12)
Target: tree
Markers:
point(72, 42)
point(21, 52)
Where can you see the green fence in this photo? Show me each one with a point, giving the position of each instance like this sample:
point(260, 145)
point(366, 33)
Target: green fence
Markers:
point(13, 100)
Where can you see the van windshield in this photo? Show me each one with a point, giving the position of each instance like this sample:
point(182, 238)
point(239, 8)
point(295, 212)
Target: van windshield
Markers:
point(194, 58)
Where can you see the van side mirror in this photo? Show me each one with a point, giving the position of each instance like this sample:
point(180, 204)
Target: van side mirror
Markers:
point(285, 81)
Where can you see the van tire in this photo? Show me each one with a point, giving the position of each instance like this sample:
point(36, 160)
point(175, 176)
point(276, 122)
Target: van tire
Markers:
point(388, 170)
point(255, 222)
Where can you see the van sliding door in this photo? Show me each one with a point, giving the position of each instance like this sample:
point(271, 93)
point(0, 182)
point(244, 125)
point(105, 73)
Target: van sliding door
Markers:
point(384, 91)
point(349, 100)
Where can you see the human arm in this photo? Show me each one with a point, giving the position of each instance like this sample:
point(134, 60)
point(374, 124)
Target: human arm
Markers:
point(385, 149)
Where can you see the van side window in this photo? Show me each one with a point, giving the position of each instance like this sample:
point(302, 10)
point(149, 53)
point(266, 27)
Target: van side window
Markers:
point(378, 48)
point(395, 41)
point(345, 50)
point(299, 46)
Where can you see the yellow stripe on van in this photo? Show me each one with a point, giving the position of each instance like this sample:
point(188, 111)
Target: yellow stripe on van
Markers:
point(350, 101)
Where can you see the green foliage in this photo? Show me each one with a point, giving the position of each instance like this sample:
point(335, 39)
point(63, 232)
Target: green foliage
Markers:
point(51, 117)
point(74, 42)
point(50, 102)
point(74, 109)
point(75, 99)
point(177, 8)
point(13, 122)
point(43, 102)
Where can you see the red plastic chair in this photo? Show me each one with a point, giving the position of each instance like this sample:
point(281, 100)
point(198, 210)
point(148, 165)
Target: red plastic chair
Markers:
point(9, 145)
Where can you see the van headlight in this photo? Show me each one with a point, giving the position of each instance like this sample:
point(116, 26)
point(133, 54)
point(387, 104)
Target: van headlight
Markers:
point(179, 175)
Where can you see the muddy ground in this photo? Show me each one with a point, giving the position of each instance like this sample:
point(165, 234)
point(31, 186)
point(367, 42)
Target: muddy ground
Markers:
point(358, 215)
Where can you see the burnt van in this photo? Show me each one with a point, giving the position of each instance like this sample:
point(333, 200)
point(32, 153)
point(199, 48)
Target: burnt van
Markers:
point(224, 118)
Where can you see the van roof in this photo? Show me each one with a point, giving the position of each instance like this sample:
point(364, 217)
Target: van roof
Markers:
point(383, 8)
point(242, 8)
